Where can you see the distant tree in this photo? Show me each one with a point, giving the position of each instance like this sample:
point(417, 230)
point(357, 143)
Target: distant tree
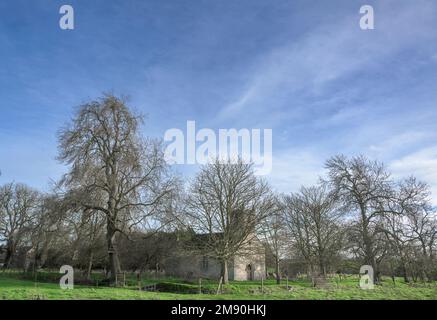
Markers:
point(113, 170)
point(18, 206)
point(148, 250)
point(273, 233)
point(46, 230)
point(227, 203)
point(411, 227)
point(87, 228)
point(314, 219)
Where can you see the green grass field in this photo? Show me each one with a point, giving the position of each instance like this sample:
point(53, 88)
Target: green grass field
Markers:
point(13, 286)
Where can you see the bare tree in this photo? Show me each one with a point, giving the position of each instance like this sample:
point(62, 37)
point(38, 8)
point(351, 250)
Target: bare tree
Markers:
point(400, 245)
point(273, 232)
point(113, 170)
point(86, 229)
point(362, 185)
point(94, 228)
point(406, 201)
point(18, 206)
point(418, 225)
point(45, 230)
point(314, 220)
point(227, 202)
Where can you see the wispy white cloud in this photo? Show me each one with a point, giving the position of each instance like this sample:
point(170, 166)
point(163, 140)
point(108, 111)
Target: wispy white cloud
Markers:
point(399, 142)
point(293, 168)
point(422, 164)
point(303, 67)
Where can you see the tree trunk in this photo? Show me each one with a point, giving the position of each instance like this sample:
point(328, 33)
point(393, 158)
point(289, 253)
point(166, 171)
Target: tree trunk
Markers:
point(90, 265)
point(225, 273)
point(114, 265)
point(376, 275)
point(322, 268)
point(44, 253)
point(368, 246)
point(278, 275)
point(404, 271)
point(10, 251)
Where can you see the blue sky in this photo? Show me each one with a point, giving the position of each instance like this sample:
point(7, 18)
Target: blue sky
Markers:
point(303, 68)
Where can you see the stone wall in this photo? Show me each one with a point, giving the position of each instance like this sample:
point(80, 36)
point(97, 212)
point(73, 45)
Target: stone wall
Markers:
point(196, 266)
point(249, 267)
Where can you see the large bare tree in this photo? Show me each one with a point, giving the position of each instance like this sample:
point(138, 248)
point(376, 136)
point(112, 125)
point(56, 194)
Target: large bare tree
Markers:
point(363, 185)
point(114, 171)
point(226, 204)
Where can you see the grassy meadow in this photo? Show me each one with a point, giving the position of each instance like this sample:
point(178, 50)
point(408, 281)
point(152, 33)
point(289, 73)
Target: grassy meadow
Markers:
point(19, 286)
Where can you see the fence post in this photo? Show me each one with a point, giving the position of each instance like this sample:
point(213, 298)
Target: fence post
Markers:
point(139, 281)
point(220, 284)
point(262, 285)
point(200, 285)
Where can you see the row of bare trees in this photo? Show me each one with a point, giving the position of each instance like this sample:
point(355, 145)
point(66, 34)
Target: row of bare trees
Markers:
point(120, 196)
point(359, 213)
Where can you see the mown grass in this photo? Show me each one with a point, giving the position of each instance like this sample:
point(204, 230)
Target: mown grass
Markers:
point(13, 286)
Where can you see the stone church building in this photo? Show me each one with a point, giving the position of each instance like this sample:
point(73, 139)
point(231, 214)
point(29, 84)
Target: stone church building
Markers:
point(244, 266)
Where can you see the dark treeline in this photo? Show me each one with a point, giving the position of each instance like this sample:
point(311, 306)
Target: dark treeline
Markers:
point(120, 207)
